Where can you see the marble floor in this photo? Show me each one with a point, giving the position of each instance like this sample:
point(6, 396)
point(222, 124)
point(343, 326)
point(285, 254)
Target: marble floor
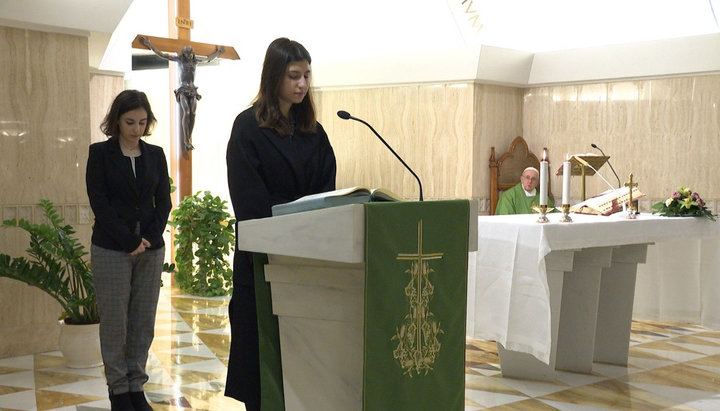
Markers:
point(671, 366)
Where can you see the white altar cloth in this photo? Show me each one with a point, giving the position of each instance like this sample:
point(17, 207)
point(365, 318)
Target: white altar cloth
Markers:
point(508, 296)
point(680, 282)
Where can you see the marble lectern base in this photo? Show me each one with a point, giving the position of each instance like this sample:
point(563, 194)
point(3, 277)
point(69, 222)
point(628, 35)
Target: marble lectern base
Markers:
point(320, 315)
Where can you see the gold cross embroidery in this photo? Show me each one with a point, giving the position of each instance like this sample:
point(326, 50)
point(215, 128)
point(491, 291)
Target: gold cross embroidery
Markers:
point(417, 335)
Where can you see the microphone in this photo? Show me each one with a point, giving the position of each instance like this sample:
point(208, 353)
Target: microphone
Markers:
point(346, 116)
point(593, 145)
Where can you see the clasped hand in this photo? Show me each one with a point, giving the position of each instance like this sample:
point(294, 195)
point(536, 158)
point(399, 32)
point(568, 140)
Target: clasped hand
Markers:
point(144, 244)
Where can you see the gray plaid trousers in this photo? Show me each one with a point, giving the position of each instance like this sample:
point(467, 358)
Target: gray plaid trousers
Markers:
point(127, 289)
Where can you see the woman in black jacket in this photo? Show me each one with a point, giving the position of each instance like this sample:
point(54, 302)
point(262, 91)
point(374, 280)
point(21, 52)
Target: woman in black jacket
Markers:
point(277, 152)
point(129, 191)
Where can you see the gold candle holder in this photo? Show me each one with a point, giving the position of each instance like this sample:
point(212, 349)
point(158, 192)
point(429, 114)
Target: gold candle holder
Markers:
point(542, 218)
point(566, 214)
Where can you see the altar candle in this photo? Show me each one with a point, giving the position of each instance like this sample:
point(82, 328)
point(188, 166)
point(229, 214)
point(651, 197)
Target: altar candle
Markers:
point(544, 179)
point(567, 170)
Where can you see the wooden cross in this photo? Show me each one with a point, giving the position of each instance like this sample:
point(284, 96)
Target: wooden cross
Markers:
point(630, 186)
point(181, 159)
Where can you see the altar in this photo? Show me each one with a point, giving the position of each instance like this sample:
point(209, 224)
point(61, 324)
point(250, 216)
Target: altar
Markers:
point(560, 295)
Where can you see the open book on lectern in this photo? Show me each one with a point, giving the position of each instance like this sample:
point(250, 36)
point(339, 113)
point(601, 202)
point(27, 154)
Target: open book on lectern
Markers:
point(343, 196)
point(609, 202)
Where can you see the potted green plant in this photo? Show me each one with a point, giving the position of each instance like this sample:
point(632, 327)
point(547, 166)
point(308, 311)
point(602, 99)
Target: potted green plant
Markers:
point(56, 264)
point(203, 240)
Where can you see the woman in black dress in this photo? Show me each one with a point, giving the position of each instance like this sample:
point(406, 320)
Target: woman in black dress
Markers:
point(277, 152)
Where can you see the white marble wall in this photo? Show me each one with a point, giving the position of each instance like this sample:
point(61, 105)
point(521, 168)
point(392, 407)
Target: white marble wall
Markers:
point(430, 126)
point(666, 132)
point(44, 134)
point(443, 131)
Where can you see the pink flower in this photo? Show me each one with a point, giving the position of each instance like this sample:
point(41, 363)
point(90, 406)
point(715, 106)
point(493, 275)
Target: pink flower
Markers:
point(698, 200)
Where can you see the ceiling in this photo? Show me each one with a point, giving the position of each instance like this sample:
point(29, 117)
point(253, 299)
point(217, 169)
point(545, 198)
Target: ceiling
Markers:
point(88, 15)
point(343, 32)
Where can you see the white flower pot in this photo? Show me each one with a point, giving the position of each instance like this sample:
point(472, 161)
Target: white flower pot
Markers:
point(80, 345)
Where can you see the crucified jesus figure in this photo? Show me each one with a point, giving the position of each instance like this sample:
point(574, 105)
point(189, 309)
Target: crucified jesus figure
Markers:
point(186, 95)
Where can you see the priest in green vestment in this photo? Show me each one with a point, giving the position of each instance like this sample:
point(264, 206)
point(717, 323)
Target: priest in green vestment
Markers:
point(521, 198)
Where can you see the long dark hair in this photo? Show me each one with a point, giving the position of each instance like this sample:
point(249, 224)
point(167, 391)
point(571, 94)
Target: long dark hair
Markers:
point(280, 53)
point(127, 100)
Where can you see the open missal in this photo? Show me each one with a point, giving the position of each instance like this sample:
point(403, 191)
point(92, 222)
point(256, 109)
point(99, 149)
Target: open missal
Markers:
point(343, 196)
point(607, 203)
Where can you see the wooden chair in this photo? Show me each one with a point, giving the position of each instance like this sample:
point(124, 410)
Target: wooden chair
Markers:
point(505, 171)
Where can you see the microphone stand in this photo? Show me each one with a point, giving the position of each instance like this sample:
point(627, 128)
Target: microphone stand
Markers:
point(345, 116)
point(585, 163)
point(611, 167)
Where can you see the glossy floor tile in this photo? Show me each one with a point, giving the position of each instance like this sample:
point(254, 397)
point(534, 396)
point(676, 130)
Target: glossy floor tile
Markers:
point(671, 366)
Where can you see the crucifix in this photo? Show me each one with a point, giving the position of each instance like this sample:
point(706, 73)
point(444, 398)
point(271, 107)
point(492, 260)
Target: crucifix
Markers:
point(187, 54)
point(630, 185)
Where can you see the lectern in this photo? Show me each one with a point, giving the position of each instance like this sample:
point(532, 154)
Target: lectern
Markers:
point(370, 300)
point(584, 165)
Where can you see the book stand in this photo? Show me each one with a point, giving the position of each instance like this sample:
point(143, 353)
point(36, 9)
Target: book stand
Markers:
point(585, 165)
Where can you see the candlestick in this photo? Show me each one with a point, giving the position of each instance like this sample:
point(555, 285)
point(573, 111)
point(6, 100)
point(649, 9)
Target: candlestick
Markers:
point(543, 179)
point(542, 217)
point(567, 170)
point(566, 214)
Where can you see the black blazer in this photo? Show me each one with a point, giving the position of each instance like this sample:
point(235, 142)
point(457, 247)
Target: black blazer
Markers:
point(119, 200)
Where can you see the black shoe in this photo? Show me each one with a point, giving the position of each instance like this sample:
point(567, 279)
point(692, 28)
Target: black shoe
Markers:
point(121, 402)
point(139, 401)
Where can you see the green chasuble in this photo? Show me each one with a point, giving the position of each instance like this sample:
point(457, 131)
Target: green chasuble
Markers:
point(514, 201)
point(415, 300)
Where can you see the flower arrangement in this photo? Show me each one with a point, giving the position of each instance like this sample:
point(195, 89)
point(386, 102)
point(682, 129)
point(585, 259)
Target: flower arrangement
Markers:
point(683, 202)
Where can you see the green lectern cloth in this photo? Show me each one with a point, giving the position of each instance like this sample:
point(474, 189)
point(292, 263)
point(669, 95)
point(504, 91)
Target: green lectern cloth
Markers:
point(415, 298)
point(271, 383)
